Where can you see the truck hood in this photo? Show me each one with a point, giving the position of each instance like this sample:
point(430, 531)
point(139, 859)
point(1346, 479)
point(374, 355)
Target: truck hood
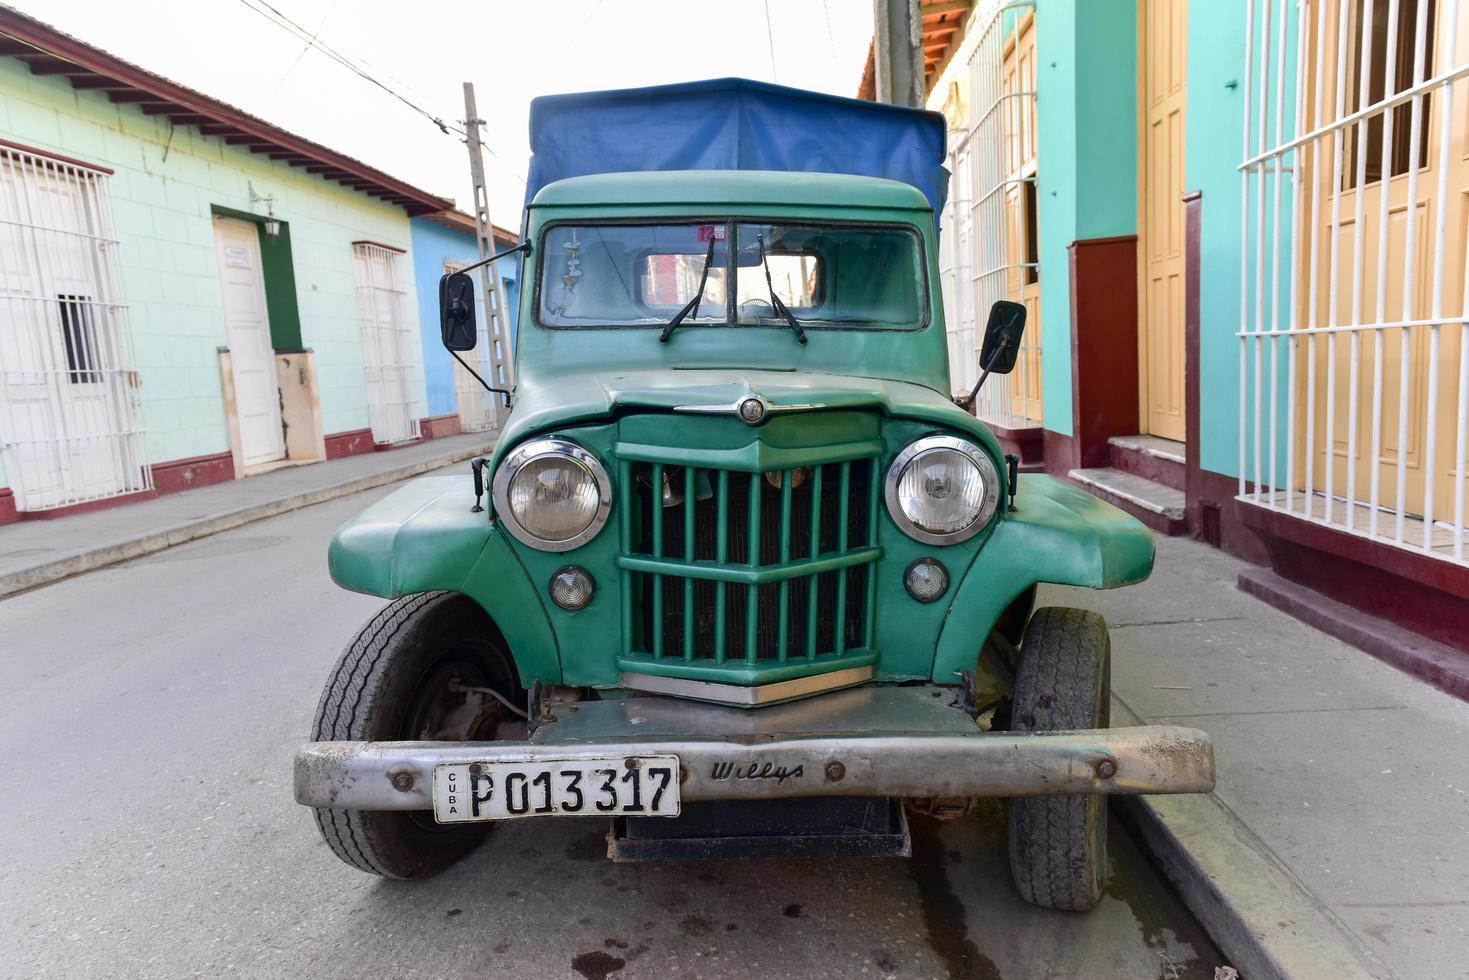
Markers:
point(578, 398)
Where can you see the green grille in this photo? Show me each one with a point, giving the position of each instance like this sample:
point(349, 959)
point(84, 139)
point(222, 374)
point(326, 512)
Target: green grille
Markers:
point(747, 575)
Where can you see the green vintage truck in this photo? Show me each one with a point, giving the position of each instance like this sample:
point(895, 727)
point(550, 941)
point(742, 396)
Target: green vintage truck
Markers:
point(741, 577)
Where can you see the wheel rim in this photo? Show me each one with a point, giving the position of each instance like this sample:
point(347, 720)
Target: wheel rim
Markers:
point(438, 712)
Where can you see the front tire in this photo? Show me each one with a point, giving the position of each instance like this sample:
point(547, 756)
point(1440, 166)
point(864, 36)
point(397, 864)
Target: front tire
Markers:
point(1058, 844)
point(393, 682)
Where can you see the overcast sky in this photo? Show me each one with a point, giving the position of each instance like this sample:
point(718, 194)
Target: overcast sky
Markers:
point(513, 50)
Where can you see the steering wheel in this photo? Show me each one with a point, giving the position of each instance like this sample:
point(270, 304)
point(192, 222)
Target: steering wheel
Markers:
point(754, 309)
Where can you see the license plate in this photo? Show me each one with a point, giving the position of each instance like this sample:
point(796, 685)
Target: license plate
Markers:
point(644, 786)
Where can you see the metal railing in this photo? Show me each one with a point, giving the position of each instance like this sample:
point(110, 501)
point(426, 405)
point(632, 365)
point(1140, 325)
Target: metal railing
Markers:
point(988, 250)
point(1354, 395)
point(387, 344)
point(69, 408)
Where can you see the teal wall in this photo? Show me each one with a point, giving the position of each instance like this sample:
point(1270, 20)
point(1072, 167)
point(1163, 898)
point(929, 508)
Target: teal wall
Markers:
point(1213, 147)
point(166, 181)
point(1086, 106)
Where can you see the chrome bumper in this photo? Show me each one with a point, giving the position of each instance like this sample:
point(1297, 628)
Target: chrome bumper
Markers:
point(874, 741)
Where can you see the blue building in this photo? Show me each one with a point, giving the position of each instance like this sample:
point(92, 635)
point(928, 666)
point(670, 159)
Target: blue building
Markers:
point(442, 242)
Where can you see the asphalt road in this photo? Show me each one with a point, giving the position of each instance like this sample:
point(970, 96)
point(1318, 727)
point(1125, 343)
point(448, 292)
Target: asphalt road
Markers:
point(149, 713)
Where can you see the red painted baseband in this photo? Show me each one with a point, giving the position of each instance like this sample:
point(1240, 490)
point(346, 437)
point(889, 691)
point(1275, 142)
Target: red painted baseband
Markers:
point(1426, 595)
point(8, 513)
point(1028, 444)
point(87, 506)
point(195, 471)
point(439, 426)
point(1439, 664)
point(350, 443)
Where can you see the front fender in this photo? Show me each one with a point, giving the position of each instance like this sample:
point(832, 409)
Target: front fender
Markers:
point(423, 536)
point(1057, 534)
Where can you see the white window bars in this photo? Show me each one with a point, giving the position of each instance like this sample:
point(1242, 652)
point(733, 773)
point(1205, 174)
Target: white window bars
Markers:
point(1354, 395)
point(68, 396)
point(388, 344)
point(989, 248)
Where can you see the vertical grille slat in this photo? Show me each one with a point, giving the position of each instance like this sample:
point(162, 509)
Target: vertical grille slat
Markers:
point(751, 520)
point(721, 556)
point(656, 621)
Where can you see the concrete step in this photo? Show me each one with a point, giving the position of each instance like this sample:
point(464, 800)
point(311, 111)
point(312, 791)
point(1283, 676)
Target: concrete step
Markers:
point(1158, 506)
point(1150, 457)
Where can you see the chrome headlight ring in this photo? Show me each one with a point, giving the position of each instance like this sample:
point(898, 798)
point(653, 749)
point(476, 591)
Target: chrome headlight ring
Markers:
point(538, 449)
point(988, 474)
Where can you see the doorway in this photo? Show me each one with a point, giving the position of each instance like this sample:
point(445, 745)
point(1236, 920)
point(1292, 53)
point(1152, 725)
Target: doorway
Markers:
point(387, 343)
point(1162, 86)
point(247, 331)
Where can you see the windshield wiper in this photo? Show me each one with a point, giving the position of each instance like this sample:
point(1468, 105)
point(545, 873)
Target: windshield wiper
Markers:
point(694, 303)
point(776, 302)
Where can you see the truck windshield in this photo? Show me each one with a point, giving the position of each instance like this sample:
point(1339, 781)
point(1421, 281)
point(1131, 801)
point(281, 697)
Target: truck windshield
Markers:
point(640, 275)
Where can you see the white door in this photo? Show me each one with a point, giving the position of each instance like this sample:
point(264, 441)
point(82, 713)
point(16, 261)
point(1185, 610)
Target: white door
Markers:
point(66, 405)
point(386, 345)
point(247, 331)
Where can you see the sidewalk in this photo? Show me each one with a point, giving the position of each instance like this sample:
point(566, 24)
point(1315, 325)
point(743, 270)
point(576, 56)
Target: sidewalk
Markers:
point(1337, 840)
point(33, 553)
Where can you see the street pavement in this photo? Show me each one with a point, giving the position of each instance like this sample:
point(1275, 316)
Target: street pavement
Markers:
point(150, 711)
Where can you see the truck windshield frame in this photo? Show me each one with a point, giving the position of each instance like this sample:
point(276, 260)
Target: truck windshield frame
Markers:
point(721, 306)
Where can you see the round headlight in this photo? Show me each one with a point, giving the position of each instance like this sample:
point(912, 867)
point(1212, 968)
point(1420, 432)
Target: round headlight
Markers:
point(552, 494)
point(942, 490)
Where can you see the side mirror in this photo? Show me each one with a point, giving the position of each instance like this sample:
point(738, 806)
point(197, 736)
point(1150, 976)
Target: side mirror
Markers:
point(456, 311)
point(1002, 336)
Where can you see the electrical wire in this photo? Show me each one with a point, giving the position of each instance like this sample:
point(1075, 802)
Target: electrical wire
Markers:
point(770, 43)
point(274, 16)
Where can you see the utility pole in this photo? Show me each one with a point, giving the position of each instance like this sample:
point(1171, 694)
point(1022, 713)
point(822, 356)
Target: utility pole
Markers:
point(497, 344)
point(898, 50)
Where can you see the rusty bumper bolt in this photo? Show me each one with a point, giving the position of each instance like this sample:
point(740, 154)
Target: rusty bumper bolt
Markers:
point(835, 771)
point(402, 780)
point(1106, 769)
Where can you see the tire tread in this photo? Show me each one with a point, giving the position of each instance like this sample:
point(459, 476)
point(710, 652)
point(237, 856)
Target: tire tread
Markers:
point(1054, 858)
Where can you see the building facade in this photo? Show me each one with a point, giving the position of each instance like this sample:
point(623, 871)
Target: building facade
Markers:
point(187, 293)
point(1240, 231)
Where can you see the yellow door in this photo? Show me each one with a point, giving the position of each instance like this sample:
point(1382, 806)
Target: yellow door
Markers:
point(1163, 45)
point(1022, 283)
point(1351, 258)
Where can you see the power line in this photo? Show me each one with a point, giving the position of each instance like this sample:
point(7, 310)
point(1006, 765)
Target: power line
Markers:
point(770, 41)
point(307, 46)
point(279, 19)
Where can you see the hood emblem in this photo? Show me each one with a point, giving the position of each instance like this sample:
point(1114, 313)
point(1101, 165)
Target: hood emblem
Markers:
point(752, 410)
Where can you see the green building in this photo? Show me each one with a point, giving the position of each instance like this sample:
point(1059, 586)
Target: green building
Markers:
point(188, 293)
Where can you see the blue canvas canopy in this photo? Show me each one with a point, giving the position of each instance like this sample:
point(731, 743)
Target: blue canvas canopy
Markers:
point(734, 124)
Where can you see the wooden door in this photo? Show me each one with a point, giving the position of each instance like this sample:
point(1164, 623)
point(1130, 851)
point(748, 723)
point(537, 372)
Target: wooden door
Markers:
point(1371, 287)
point(1163, 50)
point(1022, 282)
point(247, 330)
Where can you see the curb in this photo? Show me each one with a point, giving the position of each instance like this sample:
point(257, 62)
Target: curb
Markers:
point(79, 562)
point(1264, 920)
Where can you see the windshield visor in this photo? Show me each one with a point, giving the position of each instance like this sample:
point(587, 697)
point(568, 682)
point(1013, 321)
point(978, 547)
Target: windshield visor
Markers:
point(642, 275)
